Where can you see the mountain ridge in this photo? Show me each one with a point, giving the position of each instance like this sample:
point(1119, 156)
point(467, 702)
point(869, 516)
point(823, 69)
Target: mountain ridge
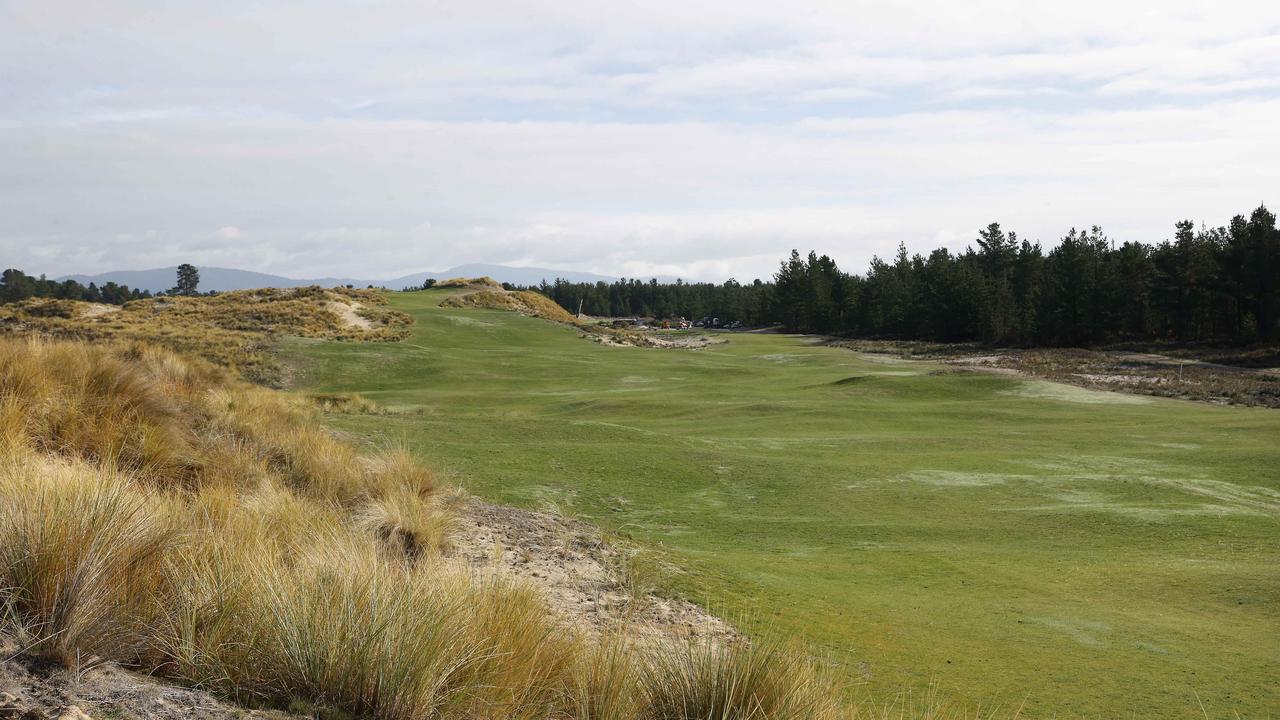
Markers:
point(224, 279)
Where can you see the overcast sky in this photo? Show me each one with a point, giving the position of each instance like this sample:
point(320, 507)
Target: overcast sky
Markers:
point(699, 138)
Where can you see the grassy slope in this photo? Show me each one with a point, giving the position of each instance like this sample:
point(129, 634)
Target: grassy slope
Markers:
point(1099, 559)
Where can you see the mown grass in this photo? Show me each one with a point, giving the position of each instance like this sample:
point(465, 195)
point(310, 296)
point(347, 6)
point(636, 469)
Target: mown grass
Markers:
point(233, 329)
point(158, 512)
point(980, 539)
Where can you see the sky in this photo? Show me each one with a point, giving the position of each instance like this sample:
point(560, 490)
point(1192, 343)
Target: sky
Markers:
point(702, 139)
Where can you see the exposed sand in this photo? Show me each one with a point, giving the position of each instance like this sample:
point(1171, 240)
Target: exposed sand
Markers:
point(349, 315)
point(642, 339)
point(95, 310)
point(576, 569)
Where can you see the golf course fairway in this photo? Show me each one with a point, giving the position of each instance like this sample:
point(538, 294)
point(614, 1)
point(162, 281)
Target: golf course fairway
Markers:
point(1010, 542)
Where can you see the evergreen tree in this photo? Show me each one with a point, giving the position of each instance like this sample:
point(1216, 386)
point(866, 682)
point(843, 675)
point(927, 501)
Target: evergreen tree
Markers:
point(15, 286)
point(188, 280)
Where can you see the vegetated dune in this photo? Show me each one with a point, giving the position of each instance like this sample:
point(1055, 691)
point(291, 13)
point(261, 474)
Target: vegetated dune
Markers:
point(234, 329)
point(158, 513)
point(463, 282)
point(480, 294)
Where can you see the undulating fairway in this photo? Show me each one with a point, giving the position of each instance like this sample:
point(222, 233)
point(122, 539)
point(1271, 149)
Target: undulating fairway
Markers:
point(1088, 554)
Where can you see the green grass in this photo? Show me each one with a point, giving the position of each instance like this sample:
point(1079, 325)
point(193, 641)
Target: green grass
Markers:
point(1011, 542)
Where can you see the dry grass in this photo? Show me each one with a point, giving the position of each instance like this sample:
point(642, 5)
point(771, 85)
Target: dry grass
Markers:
point(524, 302)
point(160, 513)
point(462, 282)
point(636, 571)
point(704, 680)
point(233, 329)
point(74, 545)
point(347, 404)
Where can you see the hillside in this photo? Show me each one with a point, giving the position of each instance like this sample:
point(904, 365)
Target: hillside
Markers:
point(485, 292)
point(234, 329)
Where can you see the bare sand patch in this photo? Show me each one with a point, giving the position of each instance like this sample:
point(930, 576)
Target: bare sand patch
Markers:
point(97, 310)
point(349, 315)
point(583, 577)
point(1120, 379)
point(633, 338)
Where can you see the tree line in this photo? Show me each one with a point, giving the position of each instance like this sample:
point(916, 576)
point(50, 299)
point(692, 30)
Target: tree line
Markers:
point(750, 304)
point(1207, 283)
point(16, 285)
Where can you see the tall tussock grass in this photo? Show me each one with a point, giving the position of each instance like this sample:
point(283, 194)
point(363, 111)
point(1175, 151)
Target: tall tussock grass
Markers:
point(157, 512)
point(76, 546)
point(708, 680)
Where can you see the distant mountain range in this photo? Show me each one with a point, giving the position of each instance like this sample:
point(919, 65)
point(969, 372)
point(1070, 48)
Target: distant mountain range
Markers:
point(222, 279)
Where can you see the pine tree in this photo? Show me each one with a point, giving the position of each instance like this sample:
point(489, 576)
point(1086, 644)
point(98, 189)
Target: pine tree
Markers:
point(188, 280)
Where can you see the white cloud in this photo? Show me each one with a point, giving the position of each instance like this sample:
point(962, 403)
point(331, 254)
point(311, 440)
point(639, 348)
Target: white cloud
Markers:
point(700, 139)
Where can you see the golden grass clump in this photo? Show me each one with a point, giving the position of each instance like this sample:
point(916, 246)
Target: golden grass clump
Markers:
point(76, 544)
point(233, 329)
point(160, 513)
point(461, 282)
point(708, 679)
point(347, 404)
point(524, 302)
